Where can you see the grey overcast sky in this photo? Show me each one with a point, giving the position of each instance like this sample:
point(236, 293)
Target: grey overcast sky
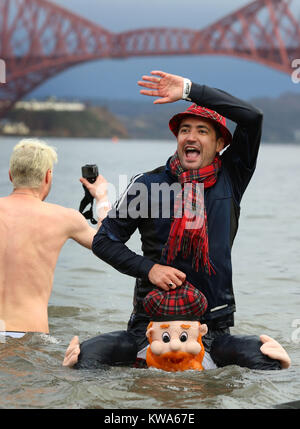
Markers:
point(117, 78)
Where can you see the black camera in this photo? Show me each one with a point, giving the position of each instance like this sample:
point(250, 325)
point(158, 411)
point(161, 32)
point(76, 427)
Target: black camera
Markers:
point(90, 172)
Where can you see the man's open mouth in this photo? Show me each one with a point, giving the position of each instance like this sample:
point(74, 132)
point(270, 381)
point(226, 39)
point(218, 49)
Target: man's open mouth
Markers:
point(191, 152)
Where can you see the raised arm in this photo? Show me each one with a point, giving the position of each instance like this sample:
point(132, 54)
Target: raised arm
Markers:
point(170, 88)
point(241, 156)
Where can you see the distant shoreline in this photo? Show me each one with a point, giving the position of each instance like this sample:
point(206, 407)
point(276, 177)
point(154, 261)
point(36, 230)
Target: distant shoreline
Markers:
point(128, 119)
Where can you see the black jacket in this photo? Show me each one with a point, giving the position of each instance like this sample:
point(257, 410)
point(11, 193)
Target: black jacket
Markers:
point(222, 203)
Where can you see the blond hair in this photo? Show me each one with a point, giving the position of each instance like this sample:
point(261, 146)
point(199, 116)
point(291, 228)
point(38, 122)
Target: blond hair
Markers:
point(29, 162)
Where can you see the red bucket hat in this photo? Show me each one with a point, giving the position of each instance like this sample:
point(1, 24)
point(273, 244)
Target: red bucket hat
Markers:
point(183, 303)
point(203, 112)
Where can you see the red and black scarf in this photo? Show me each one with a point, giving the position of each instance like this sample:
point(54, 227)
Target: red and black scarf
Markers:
point(189, 232)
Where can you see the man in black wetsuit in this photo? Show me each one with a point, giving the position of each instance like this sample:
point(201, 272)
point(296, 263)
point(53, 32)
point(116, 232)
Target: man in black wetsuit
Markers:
point(173, 252)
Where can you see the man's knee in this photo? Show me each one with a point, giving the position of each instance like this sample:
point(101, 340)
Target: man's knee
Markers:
point(113, 348)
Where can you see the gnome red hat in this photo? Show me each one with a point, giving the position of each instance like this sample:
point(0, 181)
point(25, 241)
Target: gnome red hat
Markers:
point(202, 112)
point(184, 303)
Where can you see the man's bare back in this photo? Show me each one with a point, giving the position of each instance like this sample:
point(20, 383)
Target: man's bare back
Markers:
point(32, 234)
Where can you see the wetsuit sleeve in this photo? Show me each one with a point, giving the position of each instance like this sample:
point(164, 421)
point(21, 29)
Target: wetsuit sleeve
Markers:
point(117, 228)
point(240, 157)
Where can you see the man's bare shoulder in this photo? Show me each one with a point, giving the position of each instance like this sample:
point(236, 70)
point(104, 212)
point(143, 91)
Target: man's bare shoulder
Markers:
point(68, 211)
point(74, 224)
point(38, 207)
point(5, 200)
point(69, 214)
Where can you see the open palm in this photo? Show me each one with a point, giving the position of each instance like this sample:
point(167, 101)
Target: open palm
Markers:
point(168, 87)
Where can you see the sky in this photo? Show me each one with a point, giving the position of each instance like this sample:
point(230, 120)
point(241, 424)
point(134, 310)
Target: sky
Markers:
point(117, 78)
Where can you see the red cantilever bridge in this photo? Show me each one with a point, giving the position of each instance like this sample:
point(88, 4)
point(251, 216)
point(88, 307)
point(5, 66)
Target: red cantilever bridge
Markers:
point(40, 39)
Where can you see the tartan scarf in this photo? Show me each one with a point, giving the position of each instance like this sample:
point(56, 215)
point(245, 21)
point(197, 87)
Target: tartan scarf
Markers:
point(189, 232)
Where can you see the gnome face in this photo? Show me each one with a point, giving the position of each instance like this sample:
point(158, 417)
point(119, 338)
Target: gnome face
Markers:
point(176, 345)
point(175, 332)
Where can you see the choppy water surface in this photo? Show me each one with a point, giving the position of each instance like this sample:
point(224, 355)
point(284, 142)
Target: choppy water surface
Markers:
point(90, 297)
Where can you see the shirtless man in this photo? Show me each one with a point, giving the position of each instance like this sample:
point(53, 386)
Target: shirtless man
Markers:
point(32, 234)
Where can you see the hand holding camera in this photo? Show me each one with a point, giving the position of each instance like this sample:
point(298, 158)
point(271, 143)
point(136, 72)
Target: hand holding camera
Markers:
point(93, 182)
point(95, 186)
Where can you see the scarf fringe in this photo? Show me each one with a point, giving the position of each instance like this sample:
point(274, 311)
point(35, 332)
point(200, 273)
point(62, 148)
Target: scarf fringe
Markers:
point(182, 240)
